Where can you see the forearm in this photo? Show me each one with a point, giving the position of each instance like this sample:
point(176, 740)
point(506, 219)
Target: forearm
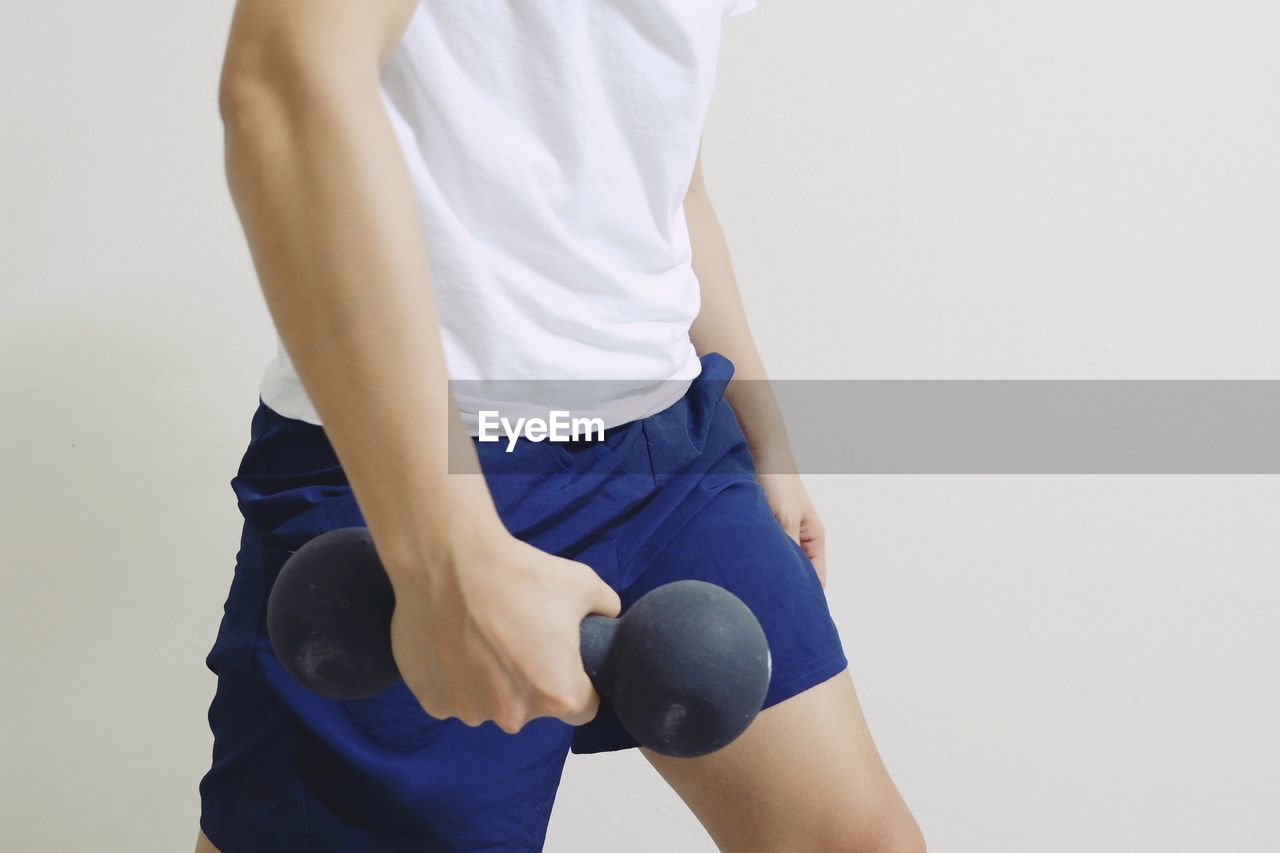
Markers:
point(321, 188)
point(722, 327)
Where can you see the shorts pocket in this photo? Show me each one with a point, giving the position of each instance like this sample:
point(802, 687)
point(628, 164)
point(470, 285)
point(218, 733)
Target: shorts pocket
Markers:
point(290, 486)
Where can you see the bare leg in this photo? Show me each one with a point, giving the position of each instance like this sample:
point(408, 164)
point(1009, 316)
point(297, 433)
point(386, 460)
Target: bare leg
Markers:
point(805, 777)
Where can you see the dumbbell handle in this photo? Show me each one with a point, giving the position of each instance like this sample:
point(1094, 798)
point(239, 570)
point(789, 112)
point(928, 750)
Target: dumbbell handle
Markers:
point(596, 635)
point(686, 668)
point(329, 620)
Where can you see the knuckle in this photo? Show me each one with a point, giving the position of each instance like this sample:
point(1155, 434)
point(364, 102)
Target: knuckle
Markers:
point(510, 718)
point(433, 709)
point(563, 702)
point(510, 724)
point(612, 599)
point(469, 717)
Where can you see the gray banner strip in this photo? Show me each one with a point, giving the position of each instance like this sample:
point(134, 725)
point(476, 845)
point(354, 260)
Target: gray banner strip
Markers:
point(1034, 426)
point(998, 426)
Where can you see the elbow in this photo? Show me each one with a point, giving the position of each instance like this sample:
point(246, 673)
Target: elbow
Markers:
point(270, 74)
point(252, 90)
point(271, 94)
point(279, 72)
point(263, 115)
point(241, 100)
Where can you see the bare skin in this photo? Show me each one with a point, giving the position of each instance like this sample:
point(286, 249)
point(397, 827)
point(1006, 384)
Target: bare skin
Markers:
point(722, 327)
point(322, 192)
point(805, 777)
point(485, 626)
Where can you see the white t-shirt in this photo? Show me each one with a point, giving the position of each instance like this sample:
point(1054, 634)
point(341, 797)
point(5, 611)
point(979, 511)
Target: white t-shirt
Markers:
point(550, 144)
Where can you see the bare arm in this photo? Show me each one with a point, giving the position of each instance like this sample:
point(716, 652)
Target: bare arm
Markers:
point(485, 626)
point(722, 327)
point(323, 193)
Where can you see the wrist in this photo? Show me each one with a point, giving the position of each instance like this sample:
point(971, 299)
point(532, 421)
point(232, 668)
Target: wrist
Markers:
point(771, 454)
point(429, 539)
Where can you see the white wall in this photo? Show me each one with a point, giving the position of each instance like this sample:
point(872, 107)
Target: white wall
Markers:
point(913, 189)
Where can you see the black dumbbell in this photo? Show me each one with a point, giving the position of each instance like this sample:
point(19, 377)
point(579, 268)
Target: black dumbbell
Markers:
point(686, 667)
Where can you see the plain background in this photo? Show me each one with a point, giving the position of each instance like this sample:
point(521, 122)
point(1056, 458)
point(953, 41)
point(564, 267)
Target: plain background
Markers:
point(912, 189)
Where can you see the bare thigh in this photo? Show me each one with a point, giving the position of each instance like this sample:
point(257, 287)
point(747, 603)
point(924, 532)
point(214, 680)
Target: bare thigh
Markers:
point(805, 776)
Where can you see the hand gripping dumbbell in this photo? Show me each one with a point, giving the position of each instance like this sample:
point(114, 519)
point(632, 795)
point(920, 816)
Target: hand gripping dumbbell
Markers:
point(686, 667)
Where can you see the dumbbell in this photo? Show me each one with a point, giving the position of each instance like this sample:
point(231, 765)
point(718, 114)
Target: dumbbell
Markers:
point(686, 667)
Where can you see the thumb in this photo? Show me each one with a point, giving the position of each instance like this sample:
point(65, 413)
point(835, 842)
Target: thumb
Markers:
point(601, 599)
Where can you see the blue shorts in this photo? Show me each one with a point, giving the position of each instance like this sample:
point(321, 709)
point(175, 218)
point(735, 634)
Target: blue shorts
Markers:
point(669, 497)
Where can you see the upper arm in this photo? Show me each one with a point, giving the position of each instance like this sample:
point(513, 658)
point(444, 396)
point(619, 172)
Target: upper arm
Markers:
point(291, 39)
point(696, 188)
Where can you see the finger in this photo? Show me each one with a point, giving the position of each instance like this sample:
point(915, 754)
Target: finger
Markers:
point(792, 527)
point(509, 706)
point(820, 567)
point(813, 542)
point(584, 705)
point(817, 542)
point(470, 718)
point(576, 704)
point(511, 717)
point(601, 599)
